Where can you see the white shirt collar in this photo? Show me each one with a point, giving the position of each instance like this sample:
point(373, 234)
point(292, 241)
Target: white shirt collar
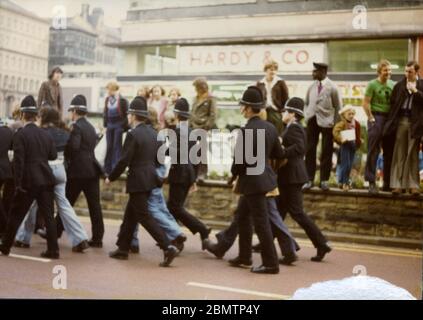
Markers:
point(275, 79)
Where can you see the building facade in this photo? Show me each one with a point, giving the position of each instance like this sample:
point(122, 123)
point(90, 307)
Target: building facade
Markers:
point(227, 41)
point(24, 40)
point(82, 50)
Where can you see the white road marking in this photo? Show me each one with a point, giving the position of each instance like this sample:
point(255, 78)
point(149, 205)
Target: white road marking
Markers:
point(18, 256)
point(229, 289)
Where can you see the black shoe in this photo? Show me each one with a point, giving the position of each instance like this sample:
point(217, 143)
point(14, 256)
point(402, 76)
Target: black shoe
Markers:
point(288, 259)
point(178, 242)
point(265, 270)
point(50, 254)
point(42, 233)
point(119, 254)
point(20, 244)
point(79, 248)
point(205, 236)
point(373, 188)
point(308, 185)
point(134, 249)
point(257, 248)
point(240, 263)
point(324, 186)
point(321, 252)
point(5, 251)
point(95, 244)
point(169, 255)
point(215, 249)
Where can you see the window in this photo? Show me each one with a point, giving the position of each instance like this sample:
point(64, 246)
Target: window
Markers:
point(364, 55)
point(157, 60)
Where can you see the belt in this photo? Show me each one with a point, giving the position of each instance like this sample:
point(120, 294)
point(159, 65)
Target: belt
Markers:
point(55, 162)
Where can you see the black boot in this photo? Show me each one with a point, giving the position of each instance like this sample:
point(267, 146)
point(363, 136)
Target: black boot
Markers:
point(169, 255)
point(265, 270)
point(321, 252)
point(288, 259)
point(240, 263)
point(178, 242)
point(50, 254)
point(119, 254)
point(5, 251)
point(95, 244)
point(20, 244)
point(214, 248)
point(134, 249)
point(80, 247)
point(205, 236)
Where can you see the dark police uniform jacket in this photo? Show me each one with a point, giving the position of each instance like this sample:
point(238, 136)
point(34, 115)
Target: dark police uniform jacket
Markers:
point(33, 147)
point(6, 138)
point(265, 182)
point(294, 142)
point(139, 153)
point(79, 152)
point(181, 173)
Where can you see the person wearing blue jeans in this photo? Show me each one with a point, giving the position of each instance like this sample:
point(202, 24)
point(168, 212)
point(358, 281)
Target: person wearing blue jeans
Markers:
point(73, 227)
point(158, 209)
point(348, 143)
point(50, 121)
point(347, 154)
point(115, 122)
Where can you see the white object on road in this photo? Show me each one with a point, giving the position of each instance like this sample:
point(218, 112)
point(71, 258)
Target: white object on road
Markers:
point(353, 288)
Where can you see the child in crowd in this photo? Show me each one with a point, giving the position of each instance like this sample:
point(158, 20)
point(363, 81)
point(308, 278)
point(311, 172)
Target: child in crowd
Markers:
point(347, 134)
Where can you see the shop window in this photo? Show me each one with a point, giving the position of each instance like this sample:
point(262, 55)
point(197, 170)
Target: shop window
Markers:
point(364, 55)
point(157, 60)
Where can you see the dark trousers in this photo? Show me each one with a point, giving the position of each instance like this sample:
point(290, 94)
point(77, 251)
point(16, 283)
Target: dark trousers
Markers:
point(91, 190)
point(253, 212)
point(291, 201)
point(287, 243)
point(313, 133)
point(346, 155)
point(114, 147)
point(177, 196)
point(8, 193)
point(22, 201)
point(137, 212)
point(3, 215)
point(376, 141)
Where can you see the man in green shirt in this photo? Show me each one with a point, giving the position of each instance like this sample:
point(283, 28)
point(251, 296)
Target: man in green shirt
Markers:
point(376, 105)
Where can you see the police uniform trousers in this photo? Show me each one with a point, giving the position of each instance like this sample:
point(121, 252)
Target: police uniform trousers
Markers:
point(178, 193)
point(137, 212)
point(253, 211)
point(91, 190)
point(21, 203)
point(291, 201)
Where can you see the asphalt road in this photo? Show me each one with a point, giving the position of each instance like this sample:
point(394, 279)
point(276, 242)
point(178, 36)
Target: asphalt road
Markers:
point(194, 274)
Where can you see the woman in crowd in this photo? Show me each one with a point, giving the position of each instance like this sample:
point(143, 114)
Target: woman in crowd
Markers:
point(115, 121)
point(203, 115)
point(159, 103)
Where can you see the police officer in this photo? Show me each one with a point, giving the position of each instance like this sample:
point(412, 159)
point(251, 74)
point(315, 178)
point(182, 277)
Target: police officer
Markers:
point(255, 180)
point(33, 147)
point(183, 175)
point(83, 170)
point(140, 155)
point(6, 137)
point(293, 175)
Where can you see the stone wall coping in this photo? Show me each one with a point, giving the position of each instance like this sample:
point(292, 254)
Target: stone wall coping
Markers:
point(363, 193)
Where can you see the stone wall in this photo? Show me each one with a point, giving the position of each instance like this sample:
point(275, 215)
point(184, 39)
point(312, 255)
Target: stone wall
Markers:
point(354, 216)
